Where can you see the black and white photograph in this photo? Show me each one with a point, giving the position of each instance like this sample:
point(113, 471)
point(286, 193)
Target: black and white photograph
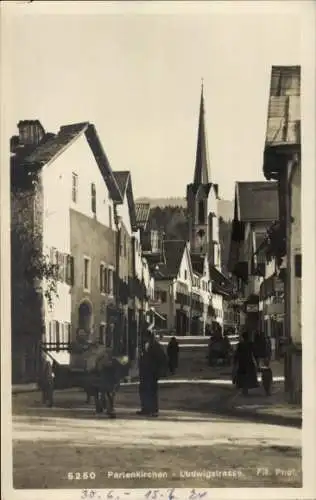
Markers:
point(153, 306)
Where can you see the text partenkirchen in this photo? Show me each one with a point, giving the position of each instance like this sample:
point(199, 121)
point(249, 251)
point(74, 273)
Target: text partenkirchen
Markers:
point(137, 475)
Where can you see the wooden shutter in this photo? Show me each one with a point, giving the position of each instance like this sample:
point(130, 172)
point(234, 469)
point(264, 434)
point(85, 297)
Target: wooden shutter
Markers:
point(70, 270)
point(298, 265)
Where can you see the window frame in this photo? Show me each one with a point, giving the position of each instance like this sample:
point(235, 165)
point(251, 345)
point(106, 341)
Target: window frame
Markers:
point(93, 195)
point(103, 340)
point(110, 216)
point(74, 187)
point(87, 259)
point(110, 281)
point(103, 275)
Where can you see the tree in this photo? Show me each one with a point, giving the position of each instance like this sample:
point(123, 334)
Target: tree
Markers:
point(29, 263)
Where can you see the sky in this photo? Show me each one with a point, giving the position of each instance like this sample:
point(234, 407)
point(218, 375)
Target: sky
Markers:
point(137, 77)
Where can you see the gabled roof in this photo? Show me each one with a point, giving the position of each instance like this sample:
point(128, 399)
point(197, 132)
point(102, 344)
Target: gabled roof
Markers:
point(55, 144)
point(142, 214)
point(121, 178)
point(102, 161)
point(257, 201)
point(124, 182)
point(173, 254)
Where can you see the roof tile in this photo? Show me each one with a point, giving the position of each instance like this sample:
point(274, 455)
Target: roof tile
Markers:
point(49, 149)
point(142, 213)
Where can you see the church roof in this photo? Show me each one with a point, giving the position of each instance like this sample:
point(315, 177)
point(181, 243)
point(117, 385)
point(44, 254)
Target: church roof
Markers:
point(202, 170)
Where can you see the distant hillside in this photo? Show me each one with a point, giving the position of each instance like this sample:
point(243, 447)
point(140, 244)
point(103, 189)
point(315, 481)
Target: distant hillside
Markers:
point(172, 220)
point(164, 202)
point(225, 207)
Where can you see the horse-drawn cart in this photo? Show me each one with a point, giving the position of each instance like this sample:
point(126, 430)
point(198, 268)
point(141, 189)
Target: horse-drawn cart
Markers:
point(102, 383)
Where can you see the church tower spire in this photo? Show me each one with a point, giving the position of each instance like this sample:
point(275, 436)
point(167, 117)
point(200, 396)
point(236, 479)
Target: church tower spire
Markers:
point(202, 201)
point(202, 169)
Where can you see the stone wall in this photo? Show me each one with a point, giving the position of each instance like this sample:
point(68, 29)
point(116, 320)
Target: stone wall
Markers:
point(27, 325)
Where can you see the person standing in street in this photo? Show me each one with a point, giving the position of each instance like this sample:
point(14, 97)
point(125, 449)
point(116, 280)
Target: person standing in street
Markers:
point(152, 366)
point(173, 355)
point(245, 365)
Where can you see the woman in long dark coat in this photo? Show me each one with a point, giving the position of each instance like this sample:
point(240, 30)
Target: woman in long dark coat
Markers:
point(173, 355)
point(245, 367)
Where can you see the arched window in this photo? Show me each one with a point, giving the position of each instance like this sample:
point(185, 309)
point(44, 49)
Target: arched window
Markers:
point(201, 212)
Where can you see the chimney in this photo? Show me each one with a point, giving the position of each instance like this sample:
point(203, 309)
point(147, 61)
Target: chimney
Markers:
point(31, 132)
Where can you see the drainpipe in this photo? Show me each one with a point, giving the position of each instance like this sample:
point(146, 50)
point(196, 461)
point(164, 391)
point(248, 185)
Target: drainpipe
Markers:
point(190, 314)
point(118, 223)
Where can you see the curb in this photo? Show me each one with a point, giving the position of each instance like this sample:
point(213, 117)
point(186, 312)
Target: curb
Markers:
point(20, 390)
point(264, 418)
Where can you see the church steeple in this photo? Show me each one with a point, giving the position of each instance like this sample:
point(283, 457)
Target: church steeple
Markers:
point(202, 171)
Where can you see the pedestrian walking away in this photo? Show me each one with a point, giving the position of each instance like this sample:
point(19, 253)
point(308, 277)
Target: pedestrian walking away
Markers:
point(245, 366)
point(152, 366)
point(173, 355)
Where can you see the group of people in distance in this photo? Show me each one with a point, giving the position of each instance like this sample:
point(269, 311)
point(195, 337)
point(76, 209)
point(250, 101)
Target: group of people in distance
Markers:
point(250, 356)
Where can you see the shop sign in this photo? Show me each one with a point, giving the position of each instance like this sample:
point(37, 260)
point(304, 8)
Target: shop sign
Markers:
point(252, 308)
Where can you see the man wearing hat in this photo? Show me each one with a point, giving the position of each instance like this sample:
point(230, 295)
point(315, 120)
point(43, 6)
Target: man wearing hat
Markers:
point(152, 366)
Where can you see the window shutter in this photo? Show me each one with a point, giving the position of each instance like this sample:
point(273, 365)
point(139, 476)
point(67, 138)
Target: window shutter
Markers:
point(60, 262)
point(65, 266)
point(108, 280)
point(298, 265)
point(105, 277)
point(101, 279)
point(72, 270)
point(68, 270)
